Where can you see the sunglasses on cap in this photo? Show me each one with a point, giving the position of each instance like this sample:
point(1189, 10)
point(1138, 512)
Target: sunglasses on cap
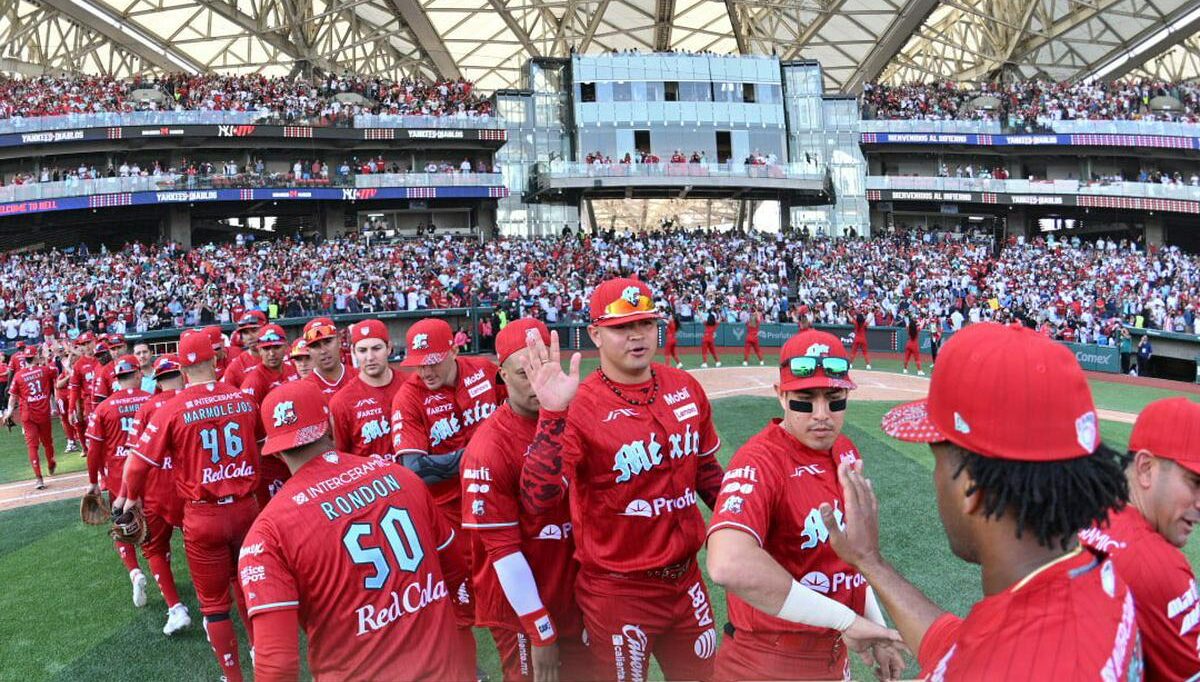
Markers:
point(631, 301)
point(806, 366)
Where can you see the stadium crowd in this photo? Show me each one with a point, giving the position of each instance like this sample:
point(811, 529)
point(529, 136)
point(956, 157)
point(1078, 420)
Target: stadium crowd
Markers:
point(1025, 103)
point(1076, 291)
point(285, 99)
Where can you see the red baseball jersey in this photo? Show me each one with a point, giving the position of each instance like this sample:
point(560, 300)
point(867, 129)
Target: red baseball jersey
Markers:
point(752, 328)
point(327, 388)
point(260, 380)
point(1164, 590)
point(239, 366)
point(208, 431)
point(772, 490)
point(83, 372)
point(353, 544)
point(362, 417)
point(159, 496)
point(109, 428)
point(491, 482)
point(1073, 619)
point(634, 471)
point(710, 331)
point(442, 421)
point(34, 389)
point(102, 384)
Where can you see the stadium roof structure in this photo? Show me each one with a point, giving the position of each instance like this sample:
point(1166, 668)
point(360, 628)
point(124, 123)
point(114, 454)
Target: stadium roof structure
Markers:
point(488, 41)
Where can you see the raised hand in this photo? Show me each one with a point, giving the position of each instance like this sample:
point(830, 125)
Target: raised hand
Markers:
point(543, 366)
point(857, 539)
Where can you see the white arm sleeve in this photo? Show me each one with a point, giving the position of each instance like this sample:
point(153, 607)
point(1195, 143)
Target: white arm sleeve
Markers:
point(516, 579)
point(807, 607)
point(871, 609)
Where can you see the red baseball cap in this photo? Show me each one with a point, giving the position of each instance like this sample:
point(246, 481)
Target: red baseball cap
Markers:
point(319, 328)
point(427, 342)
point(818, 344)
point(86, 337)
point(195, 347)
point(101, 347)
point(621, 300)
point(115, 340)
point(370, 329)
point(1004, 391)
point(250, 319)
point(166, 364)
point(272, 335)
point(1170, 429)
point(294, 414)
point(512, 338)
point(126, 364)
point(299, 349)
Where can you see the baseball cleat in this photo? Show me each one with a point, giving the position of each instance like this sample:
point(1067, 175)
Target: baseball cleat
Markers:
point(704, 365)
point(139, 587)
point(868, 366)
point(679, 365)
point(906, 370)
point(718, 363)
point(760, 363)
point(178, 618)
point(920, 373)
point(40, 485)
point(745, 364)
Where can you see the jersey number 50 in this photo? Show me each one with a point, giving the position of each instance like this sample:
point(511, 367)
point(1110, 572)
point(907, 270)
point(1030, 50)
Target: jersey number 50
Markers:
point(400, 536)
point(233, 441)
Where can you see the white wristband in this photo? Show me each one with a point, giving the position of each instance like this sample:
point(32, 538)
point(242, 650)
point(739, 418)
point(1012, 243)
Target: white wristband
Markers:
point(871, 609)
point(809, 608)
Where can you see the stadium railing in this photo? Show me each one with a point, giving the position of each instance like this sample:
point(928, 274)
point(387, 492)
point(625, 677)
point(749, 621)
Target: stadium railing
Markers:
point(454, 121)
point(564, 169)
point(1123, 189)
point(78, 188)
point(263, 116)
point(993, 127)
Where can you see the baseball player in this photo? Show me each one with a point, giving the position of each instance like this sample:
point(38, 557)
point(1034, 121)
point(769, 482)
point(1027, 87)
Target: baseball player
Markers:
point(637, 445)
point(355, 552)
point(670, 354)
point(362, 410)
point(1014, 486)
point(106, 381)
point(300, 358)
point(107, 435)
point(860, 339)
point(145, 356)
point(912, 346)
point(329, 373)
point(83, 375)
point(220, 350)
point(249, 325)
point(262, 378)
point(524, 571)
point(708, 346)
point(64, 356)
point(163, 506)
point(793, 604)
point(439, 408)
point(208, 431)
point(750, 345)
point(32, 391)
point(1145, 537)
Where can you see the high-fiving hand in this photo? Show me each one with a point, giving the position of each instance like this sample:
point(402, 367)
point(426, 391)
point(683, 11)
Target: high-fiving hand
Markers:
point(543, 366)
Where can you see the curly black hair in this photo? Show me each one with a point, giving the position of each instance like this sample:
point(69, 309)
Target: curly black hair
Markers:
point(1052, 500)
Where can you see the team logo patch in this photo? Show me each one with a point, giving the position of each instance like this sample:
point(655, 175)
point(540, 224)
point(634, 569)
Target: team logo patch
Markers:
point(961, 424)
point(331, 457)
point(631, 295)
point(420, 342)
point(817, 350)
point(638, 508)
point(1085, 431)
point(191, 357)
point(733, 505)
point(477, 508)
point(622, 412)
point(284, 414)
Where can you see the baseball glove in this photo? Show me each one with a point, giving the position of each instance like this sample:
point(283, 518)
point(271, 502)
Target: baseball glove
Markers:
point(94, 509)
point(130, 527)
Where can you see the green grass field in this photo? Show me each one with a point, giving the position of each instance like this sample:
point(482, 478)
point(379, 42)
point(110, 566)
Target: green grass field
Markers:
point(66, 614)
